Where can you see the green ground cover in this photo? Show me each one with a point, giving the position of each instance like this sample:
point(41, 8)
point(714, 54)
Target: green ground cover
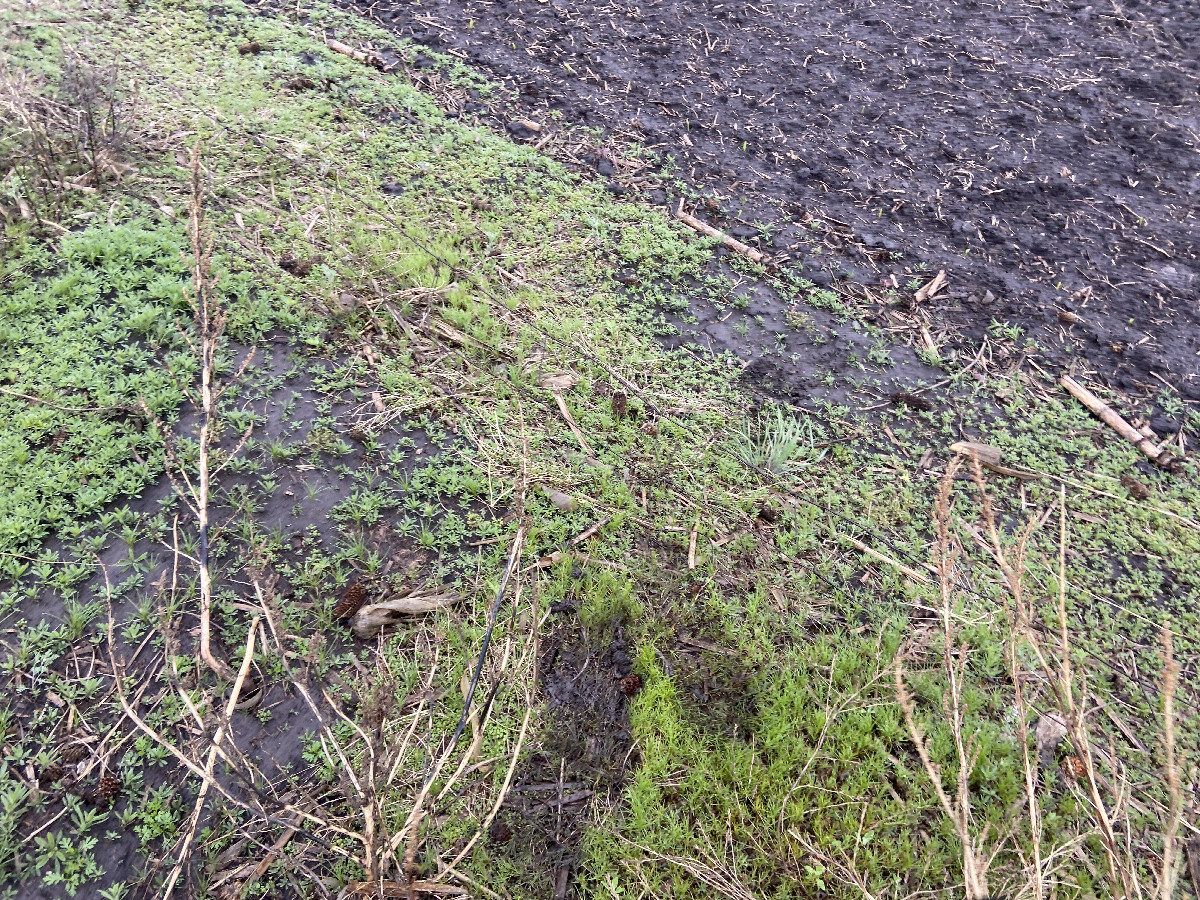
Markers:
point(409, 282)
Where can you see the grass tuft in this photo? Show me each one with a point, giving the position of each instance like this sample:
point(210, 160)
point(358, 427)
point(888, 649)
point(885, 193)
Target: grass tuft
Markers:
point(778, 442)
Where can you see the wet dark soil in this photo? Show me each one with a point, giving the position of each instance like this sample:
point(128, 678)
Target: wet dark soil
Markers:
point(583, 754)
point(1043, 154)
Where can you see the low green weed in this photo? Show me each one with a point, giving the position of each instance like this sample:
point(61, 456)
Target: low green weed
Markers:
point(777, 442)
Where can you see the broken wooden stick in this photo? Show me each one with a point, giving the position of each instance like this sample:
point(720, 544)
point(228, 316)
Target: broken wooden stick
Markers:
point(566, 414)
point(1111, 418)
point(732, 243)
point(588, 532)
point(875, 554)
point(556, 384)
point(362, 56)
point(935, 284)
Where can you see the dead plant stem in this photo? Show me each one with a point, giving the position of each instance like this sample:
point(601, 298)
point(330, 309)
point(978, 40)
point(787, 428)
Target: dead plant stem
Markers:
point(1171, 856)
point(222, 727)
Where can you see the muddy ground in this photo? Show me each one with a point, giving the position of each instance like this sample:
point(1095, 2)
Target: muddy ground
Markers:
point(1043, 154)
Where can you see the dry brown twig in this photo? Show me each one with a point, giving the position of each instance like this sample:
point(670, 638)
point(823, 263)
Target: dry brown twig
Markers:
point(1171, 860)
point(206, 777)
point(1113, 420)
point(975, 861)
point(1071, 706)
point(1070, 695)
point(210, 325)
point(222, 727)
point(713, 874)
point(210, 321)
point(755, 256)
point(366, 57)
point(67, 139)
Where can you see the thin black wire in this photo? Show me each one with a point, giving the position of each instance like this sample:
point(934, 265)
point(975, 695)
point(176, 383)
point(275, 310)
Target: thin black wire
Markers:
point(513, 561)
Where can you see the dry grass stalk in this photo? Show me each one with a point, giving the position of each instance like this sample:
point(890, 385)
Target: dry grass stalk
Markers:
point(210, 320)
point(1107, 796)
point(1171, 860)
point(210, 323)
point(503, 792)
point(842, 869)
point(1058, 673)
point(331, 746)
point(713, 874)
point(1037, 873)
point(1013, 571)
point(258, 811)
point(1070, 694)
point(364, 772)
point(1121, 866)
point(222, 728)
point(884, 558)
point(975, 861)
point(407, 835)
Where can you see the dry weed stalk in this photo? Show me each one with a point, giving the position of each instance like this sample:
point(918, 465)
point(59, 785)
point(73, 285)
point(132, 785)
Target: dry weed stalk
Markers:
point(1013, 569)
point(60, 141)
point(210, 325)
point(714, 874)
point(262, 807)
point(1171, 860)
point(210, 319)
point(223, 727)
point(975, 862)
point(1069, 692)
point(330, 745)
point(1037, 874)
point(409, 832)
point(1071, 704)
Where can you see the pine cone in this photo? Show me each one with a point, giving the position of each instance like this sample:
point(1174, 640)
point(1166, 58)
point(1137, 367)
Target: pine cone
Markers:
point(631, 684)
point(109, 788)
point(74, 753)
point(351, 601)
